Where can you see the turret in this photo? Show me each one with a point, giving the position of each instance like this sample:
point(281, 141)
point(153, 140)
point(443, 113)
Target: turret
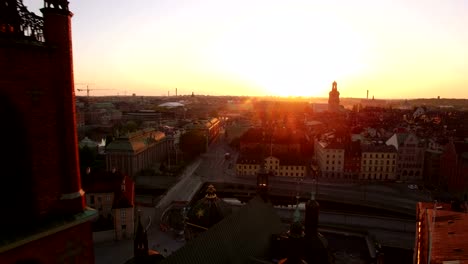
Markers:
point(58, 35)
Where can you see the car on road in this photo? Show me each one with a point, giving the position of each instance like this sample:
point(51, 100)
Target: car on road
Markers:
point(412, 186)
point(227, 155)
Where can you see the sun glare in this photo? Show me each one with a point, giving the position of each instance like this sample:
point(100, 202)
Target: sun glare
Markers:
point(299, 56)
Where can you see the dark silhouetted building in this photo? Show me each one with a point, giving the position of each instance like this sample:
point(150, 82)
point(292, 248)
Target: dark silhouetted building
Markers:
point(45, 219)
point(205, 213)
point(334, 98)
point(454, 167)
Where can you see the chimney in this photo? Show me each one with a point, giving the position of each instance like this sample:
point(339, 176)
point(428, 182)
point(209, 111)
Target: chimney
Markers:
point(367, 97)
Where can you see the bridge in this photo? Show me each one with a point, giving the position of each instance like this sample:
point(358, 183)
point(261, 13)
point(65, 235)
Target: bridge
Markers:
point(388, 216)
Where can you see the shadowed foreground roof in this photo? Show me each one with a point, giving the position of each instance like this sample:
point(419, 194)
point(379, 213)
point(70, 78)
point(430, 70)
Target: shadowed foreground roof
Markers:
point(243, 235)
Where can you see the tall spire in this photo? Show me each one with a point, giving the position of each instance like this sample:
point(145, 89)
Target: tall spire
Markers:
point(140, 244)
point(295, 247)
point(334, 98)
point(311, 216)
point(263, 174)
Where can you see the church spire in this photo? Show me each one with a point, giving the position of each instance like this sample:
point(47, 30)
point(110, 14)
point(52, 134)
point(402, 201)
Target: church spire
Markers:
point(334, 98)
point(140, 244)
point(311, 217)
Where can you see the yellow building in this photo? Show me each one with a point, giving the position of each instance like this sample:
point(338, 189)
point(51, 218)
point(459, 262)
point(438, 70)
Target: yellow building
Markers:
point(287, 166)
point(112, 195)
point(378, 162)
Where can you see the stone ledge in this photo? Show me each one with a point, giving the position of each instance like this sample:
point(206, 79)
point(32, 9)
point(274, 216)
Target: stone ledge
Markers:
point(50, 228)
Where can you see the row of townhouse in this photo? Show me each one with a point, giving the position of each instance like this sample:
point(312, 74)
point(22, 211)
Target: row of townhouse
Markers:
point(400, 158)
point(279, 165)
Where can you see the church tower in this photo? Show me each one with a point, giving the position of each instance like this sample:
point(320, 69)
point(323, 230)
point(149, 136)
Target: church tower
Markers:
point(334, 99)
point(46, 220)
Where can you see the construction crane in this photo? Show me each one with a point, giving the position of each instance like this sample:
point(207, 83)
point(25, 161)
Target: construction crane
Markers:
point(88, 89)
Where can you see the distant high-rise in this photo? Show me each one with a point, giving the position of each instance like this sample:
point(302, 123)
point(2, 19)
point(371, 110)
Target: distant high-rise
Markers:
point(334, 99)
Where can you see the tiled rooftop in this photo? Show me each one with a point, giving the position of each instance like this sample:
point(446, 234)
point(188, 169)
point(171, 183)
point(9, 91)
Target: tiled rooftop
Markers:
point(443, 233)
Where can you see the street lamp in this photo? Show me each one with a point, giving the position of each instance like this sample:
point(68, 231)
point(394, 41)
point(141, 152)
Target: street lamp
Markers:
point(316, 171)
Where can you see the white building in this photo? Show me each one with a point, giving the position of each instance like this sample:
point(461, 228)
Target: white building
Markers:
point(330, 158)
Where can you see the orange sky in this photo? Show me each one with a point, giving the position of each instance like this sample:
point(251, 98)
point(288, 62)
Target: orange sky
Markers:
point(394, 49)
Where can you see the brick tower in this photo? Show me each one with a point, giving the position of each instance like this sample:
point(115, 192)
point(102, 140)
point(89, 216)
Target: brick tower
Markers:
point(334, 98)
point(45, 219)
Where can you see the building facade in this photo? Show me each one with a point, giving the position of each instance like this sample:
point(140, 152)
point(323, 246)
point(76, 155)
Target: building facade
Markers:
point(454, 168)
point(410, 149)
point(432, 162)
point(136, 151)
point(112, 194)
point(274, 140)
point(378, 162)
point(330, 158)
point(286, 166)
point(352, 160)
point(209, 128)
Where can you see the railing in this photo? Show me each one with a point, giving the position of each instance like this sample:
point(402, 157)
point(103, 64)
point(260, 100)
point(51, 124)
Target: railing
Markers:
point(19, 21)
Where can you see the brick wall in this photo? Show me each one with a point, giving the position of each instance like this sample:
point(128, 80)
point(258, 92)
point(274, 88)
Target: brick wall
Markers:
point(73, 245)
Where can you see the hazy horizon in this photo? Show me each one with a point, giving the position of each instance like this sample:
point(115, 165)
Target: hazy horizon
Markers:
point(270, 96)
point(394, 49)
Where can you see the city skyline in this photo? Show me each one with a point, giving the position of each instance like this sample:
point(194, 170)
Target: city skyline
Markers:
point(271, 48)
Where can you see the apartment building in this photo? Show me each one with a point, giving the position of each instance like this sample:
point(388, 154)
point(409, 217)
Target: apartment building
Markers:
point(410, 149)
point(330, 158)
point(378, 162)
point(286, 166)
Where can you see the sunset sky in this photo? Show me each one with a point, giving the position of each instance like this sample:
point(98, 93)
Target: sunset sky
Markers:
point(394, 49)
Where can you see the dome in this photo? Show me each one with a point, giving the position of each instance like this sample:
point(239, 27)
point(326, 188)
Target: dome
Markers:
point(208, 211)
point(171, 105)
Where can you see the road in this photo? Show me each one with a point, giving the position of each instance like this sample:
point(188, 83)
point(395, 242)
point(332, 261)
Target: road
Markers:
point(215, 168)
point(393, 196)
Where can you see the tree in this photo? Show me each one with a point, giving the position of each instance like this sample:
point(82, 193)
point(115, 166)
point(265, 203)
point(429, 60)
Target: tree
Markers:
point(192, 143)
point(131, 126)
point(87, 156)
